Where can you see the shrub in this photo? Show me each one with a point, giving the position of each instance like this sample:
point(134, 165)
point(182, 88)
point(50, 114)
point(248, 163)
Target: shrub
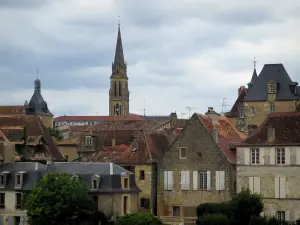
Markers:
point(255, 220)
point(141, 218)
point(213, 208)
point(213, 219)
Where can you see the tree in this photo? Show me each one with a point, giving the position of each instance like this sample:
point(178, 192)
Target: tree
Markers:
point(54, 133)
point(141, 218)
point(213, 219)
point(59, 199)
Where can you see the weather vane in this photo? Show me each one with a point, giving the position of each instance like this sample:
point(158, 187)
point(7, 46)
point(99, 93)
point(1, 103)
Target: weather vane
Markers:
point(254, 63)
point(37, 73)
point(119, 21)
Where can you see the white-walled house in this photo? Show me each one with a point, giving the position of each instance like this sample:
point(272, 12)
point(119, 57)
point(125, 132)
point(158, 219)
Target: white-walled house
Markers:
point(268, 163)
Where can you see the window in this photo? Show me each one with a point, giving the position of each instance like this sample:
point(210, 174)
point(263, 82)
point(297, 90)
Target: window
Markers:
point(18, 200)
point(18, 180)
point(272, 108)
point(254, 185)
point(95, 184)
point(280, 187)
point(2, 179)
point(182, 153)
point(252, 110)
point(88, 141)
point(2, 200)
point(280, 156)
point(205, 183)
point(185, 180)
point(241, 112)
point(254, 156)
point(280, 215)
point(168, 180)
point(220, 180)
point(142, 174)
point(199, 155)
point(125, 205)
point(145, 203)
point(272, 88)
point(125, 183)
point(176, 210)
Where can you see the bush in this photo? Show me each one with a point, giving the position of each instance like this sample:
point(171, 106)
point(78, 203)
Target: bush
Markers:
point(213, 208)
point(255, 220)
point(141, 218)
point(213, 219)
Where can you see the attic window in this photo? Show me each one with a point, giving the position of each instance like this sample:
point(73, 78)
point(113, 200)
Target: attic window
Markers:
point(88, 141)
point(19, 179)
point(95, 182)
point(272, 87)
point(3, 178)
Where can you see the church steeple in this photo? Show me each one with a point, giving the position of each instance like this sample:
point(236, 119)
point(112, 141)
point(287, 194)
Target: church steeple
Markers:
point(119, 92)
point(254, 75)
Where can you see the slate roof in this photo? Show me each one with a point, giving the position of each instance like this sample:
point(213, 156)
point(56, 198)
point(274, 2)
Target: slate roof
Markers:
point(12, 109)
point(34, 128)
point(234, 112)
point(227, 134)
point(272, 72)
point(119, 55)
point(109, 183)
point(287, 130)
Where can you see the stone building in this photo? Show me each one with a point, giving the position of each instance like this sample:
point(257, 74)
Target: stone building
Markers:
point(199, 166)
point(271, 91)
point(268, 164)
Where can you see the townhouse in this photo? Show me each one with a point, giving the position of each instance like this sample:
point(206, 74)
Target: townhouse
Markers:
point(268, 163)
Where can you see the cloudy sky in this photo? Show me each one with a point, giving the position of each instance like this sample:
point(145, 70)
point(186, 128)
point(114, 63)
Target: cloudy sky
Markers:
point(179, 52)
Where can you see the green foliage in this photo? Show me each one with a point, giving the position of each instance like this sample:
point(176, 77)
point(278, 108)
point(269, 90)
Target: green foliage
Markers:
point(213, 208)
point(54, 133)
point(245, 205)
point(141, 218)
point(213, 219)
point(59, 199)
point(255, 220)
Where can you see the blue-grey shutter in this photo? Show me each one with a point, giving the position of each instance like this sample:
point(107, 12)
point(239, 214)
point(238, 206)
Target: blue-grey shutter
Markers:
point(1, 220)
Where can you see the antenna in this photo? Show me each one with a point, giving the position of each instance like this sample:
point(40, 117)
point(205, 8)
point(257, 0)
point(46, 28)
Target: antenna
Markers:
point(224, 105)
point(182, 114)
point(189, 109)
point(144, 107)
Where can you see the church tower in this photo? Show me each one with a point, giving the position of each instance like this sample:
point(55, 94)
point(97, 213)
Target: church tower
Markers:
point(118, 91)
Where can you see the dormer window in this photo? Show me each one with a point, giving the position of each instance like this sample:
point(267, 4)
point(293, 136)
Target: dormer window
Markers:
point(125, 181)
point(3, 178)
point(272, 87)
point(95, 182)
point(19, 178)
point(88, 141)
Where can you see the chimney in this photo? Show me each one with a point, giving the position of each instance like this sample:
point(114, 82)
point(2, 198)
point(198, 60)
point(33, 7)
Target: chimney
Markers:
point(113, 142)
point(215, 133)
point(111, 168)
point(271, 133)
point(241, 88)
point(212, 114)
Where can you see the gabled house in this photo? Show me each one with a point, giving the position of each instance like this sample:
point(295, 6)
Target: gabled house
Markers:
point(30, 137)
point(271, 91)
point(268, 164)
point(199, 166)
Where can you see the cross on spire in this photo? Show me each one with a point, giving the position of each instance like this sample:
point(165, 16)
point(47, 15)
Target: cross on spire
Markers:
point(254, 63)
point(37, 73)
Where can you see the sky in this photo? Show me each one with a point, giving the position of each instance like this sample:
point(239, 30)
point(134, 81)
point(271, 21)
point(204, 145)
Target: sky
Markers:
point(179, 53)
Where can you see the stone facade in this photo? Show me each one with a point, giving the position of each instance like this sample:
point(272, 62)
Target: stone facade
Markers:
point(203, 154)
point(268, 164)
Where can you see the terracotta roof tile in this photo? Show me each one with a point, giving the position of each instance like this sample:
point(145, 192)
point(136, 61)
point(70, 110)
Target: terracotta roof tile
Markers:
point(287, 130)
point(71, 141)
point(227, 134)
point(34, 127)
point(97, 118)
point(12, 110)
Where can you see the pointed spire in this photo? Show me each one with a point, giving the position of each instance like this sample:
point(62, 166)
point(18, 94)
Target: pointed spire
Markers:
point(119, 56)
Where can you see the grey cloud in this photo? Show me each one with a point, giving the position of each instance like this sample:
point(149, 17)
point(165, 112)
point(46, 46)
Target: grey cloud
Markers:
point(23, 4)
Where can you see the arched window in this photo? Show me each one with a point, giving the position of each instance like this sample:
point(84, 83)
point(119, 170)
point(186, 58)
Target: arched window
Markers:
point(115, 92)
point(120, 87)
point(117, 109)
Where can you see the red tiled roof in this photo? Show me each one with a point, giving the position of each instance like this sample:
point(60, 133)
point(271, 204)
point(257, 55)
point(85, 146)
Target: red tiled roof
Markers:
point(12, 109)
point(78, 129)
point(227, 134)
point(70, 141)
point(34, 127)
point(287, 130)
point(97, 118)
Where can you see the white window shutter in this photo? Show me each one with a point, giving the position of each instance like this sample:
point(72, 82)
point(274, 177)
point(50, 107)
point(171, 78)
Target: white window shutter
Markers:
point(276, 187)
point(182, 179)
point(247, 156)
point(222, 180)
point(195, 180)
point(272, 156)
point(251, 185)
point(187, 180)
point(166, 180)
point(257, 185)
point(282, 187)
point(208, 180)
point(287, 156)
point(217, 180)
point(298, 156)
point(287, 216)
point(170, 180)
point(262, 156)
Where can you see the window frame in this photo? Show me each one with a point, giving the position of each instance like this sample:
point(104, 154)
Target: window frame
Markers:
point(18, 195)
point(255, 156)
point(280, 156)
point(142, 175)
point(2, 197)
point(203, 180)
point(180, 153)
point(281, 215)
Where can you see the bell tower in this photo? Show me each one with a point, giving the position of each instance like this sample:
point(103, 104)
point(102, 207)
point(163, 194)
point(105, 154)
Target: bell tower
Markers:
point(118, 91)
